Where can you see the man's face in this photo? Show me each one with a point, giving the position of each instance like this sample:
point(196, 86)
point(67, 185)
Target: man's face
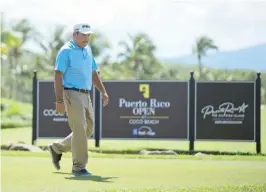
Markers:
point(82, 39)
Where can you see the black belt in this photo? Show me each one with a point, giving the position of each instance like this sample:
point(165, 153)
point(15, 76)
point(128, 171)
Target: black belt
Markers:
point(78, 90)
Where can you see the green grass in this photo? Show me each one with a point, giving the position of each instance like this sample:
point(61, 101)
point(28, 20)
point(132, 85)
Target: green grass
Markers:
point(138, 156)
point(12, 108)
point(15, 114)
point(229, 188)
point(133, 146)
point(28, 172)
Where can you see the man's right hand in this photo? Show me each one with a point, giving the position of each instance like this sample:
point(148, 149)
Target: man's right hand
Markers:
point(60, 108)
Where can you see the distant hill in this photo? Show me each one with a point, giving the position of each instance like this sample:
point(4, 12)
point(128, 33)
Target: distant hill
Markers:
point(248, 58)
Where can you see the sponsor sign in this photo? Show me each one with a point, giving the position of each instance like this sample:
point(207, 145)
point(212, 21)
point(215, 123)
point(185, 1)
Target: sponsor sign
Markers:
point(50, 124)
point(225, 111)
point(146, 109)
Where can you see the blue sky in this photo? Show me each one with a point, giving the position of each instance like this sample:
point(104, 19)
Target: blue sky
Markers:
point(173, 25)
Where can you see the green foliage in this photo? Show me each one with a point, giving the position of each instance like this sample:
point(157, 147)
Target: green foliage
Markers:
point(15, 114)
point(14, 123)
point(137, 60)
point(99, 44)
point(203, 44)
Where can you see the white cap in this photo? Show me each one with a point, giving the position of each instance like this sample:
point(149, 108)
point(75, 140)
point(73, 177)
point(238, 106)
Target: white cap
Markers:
point(83, 28)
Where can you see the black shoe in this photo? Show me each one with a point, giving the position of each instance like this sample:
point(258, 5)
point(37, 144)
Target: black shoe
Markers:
point(55, 157)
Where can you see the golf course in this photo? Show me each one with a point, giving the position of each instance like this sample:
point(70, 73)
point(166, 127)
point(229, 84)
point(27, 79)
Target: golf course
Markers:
point(170, 95)
point(117, 165)
point(27, 172)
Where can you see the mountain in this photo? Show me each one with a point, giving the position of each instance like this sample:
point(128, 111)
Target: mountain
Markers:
point(253, 58)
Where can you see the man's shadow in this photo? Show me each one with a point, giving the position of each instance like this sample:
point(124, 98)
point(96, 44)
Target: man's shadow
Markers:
point(95, 178)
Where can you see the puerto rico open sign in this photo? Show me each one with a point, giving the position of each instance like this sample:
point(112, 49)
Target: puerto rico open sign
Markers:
point(146, 109)
point(50, 124)
point(225, 111)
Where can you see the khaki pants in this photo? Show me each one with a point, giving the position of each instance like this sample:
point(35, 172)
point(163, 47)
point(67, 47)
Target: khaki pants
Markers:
point(80, 119)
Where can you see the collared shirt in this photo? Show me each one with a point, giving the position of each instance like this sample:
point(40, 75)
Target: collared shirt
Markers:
point(77, 65)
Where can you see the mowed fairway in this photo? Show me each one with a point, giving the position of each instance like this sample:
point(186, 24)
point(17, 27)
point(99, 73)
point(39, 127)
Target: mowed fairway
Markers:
point(34, 172)
point(30, 173)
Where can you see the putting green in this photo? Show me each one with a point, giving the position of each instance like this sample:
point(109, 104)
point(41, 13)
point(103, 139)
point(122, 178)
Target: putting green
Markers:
point(37, 174)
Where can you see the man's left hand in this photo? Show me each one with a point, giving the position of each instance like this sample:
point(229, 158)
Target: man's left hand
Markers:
point(105, 99)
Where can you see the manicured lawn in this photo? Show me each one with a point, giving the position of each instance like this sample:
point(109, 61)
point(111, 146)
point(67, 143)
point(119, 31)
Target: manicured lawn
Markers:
point(33, 172)
point(24, 135)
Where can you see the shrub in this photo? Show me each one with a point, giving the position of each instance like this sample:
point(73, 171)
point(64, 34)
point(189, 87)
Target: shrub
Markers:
point(8, 123)
point(15, 113)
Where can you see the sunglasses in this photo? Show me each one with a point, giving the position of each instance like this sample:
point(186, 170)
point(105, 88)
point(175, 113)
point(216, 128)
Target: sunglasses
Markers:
point(85, 26)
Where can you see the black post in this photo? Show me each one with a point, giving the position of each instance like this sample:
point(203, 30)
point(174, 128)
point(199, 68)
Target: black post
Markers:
point(258, 108)
point(191, 111)
point(97, 117)
point(34, 108)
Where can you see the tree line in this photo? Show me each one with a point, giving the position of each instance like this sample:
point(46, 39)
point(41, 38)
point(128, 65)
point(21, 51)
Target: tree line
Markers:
point(137, 60)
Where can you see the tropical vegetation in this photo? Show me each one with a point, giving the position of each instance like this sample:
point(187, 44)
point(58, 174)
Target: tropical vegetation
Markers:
point(137, 59)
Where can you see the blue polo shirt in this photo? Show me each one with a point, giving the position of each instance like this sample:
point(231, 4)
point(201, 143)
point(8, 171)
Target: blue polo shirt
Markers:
point(77, 65)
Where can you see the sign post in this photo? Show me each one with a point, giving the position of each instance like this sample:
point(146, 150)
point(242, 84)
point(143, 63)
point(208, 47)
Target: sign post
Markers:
point(97, 105)
point(258, 113)
point(34, 108)
point(191, 111)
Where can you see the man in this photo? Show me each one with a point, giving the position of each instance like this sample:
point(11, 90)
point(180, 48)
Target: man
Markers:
point(75, 71)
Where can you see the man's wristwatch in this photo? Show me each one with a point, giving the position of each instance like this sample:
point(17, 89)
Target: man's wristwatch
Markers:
point(59, 100)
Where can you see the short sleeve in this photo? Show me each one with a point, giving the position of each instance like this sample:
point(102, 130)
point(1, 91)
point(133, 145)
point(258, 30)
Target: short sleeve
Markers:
point(94, 65)
point(61, 62)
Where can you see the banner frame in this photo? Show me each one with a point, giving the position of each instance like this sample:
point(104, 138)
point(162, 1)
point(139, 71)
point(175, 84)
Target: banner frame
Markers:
point(224, 140)
point(136, 81)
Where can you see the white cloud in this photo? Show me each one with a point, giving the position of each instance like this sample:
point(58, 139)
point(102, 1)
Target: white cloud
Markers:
point(172, 24)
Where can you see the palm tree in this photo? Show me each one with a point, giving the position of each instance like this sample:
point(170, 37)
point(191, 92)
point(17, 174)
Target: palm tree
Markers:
point(26, 29)
point(140, 49)
point(27, 32)
point(203, 44)
point(138, 57)
point(51, 48)
point(10, 42)
point(58, 38)
point(99, 44)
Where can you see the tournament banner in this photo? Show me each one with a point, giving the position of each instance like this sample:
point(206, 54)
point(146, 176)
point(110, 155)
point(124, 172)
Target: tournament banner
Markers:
point(50, 124)
point(225, 111)
point(146, 109)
